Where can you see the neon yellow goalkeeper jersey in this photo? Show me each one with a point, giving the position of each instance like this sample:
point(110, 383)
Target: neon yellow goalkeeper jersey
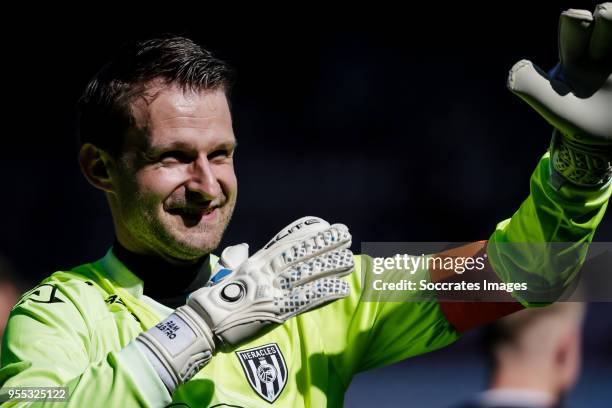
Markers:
point(77, 328)
point(72, 329)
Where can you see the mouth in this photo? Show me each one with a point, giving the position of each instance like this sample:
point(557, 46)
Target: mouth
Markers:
point(194, 215)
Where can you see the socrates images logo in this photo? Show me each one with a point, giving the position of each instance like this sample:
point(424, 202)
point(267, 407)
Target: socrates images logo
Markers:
point(265, 370)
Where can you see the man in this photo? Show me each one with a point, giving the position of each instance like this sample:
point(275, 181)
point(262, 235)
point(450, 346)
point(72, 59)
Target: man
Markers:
point(10, 290)
point(535, 356)
point(157, 138)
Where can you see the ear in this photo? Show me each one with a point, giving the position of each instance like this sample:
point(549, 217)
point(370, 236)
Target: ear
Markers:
point(568, 358)
point(95, 164)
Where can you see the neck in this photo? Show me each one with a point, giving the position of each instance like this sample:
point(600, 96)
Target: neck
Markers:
point(535, 376)
point(164, 280)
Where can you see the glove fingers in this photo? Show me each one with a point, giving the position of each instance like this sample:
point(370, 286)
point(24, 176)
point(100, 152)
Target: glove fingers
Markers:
point(297, 230)
point(601, 38)
point(234, 256)
point(311, 295)
point(550, 98)
point(338, 263)
point(574, 34)
point(553, 100)
point(304, 238)
point(335, 237)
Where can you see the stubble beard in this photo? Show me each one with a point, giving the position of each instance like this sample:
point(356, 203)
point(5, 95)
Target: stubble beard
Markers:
point(167, 236)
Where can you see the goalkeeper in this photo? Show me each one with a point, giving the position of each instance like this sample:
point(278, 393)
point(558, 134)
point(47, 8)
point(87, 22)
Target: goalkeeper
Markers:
point(162, 321)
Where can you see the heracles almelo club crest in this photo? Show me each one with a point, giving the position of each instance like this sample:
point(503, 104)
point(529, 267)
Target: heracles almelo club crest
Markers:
point(265, 369)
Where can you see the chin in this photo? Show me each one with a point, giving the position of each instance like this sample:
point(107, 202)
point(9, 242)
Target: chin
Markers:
point(198, 247)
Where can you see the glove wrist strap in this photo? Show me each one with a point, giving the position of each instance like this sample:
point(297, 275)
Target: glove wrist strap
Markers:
point(178, 347)
point(580, 164)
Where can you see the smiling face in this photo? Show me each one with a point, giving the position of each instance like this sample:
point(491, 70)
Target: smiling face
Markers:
point(173, 185)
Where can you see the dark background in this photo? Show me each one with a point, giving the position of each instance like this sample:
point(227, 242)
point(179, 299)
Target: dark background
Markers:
point(396, 123)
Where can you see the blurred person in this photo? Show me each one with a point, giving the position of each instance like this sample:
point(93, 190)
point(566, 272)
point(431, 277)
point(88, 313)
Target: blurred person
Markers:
point(10, 290)
point(161, 320)
point(535, 357)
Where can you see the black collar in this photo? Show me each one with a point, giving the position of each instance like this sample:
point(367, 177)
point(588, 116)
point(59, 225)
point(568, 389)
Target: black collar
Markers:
point(166, 283)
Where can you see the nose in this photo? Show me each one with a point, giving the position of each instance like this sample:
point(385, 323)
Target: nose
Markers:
point(202, 179)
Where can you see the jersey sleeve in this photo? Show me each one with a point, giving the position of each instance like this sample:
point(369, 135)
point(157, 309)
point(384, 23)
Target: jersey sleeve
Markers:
point(48, 342)
point(546, 241)
point(362, 334)
point(543, 245)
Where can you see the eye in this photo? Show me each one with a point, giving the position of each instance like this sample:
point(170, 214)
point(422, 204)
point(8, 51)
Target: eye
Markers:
point(219, 154)
point(175, 156)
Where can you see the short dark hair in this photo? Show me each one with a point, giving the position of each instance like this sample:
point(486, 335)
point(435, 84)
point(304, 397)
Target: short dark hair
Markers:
point(104, 108)
point(510, 329)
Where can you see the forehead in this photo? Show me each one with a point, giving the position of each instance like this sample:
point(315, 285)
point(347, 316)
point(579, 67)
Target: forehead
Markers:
point(170, 114)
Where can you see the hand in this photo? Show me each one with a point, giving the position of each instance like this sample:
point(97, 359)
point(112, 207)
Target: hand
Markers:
point(298, 270)
point(576, 96)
